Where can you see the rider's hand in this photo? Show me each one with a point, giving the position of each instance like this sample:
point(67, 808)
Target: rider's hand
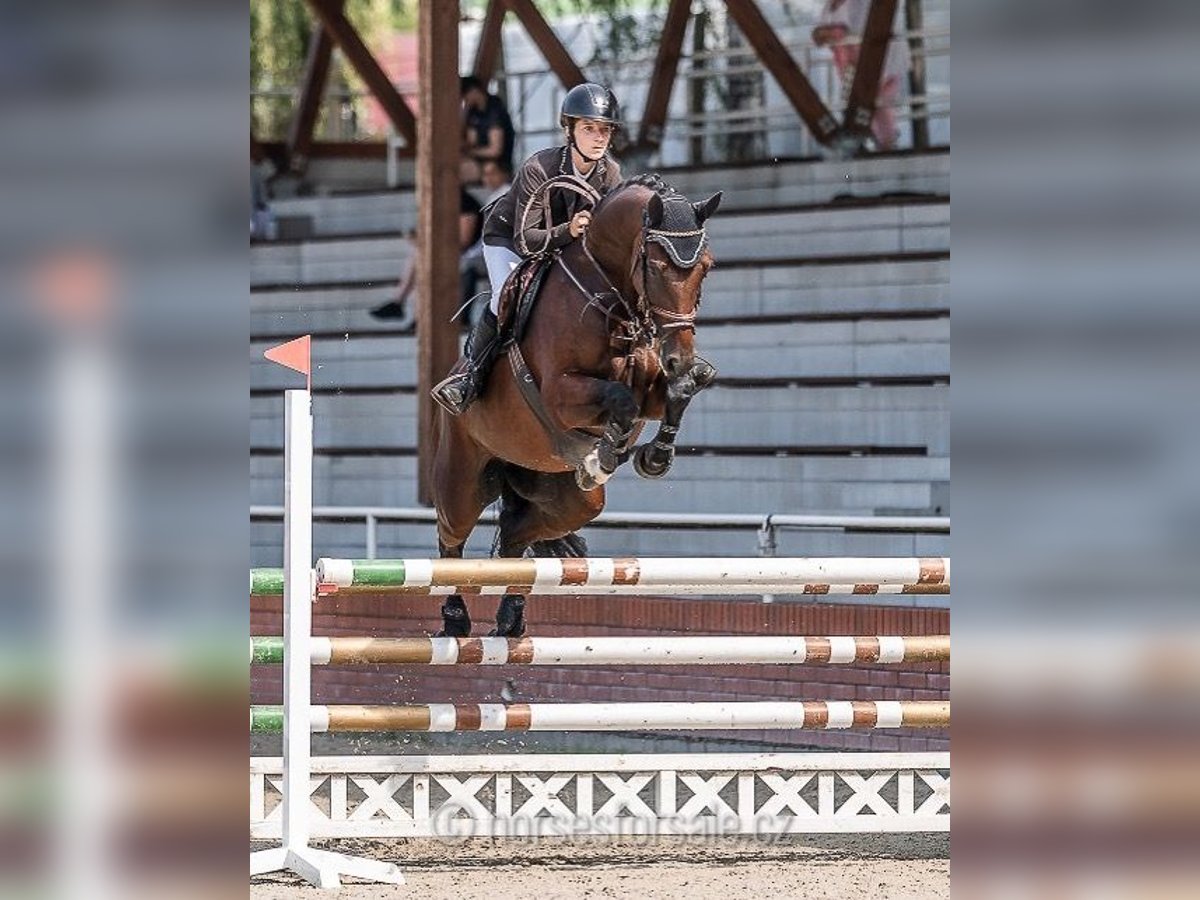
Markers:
point(579, 223)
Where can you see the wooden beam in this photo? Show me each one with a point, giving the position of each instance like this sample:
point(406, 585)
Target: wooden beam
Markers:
point(490, 37)
point(914, 23)
point(375, 150)
point(776, 59)
point(877, 33)
point(347, 38)
point(547, 42)
point(666, 64)
point(698, 86)
point(316, 72)
point(439, 134)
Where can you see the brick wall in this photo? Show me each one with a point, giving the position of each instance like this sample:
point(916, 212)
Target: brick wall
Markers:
point(384, 616)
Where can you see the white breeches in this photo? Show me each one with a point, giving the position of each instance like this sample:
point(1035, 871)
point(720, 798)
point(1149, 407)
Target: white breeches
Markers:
point(500, 262)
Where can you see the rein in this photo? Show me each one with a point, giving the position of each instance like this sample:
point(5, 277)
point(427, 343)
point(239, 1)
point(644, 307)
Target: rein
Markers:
point(641, 315)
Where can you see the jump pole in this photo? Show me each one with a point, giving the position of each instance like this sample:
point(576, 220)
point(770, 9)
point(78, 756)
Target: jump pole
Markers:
point(609, 651)
point(319, 867)
point(819, 715)
point(632, 576)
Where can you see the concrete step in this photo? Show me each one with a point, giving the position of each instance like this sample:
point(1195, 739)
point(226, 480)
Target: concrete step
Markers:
point(745, 484)
point(721, 417)
point(745, 187)
point(419, 541)
point(820, 232)
point(855, 349)
point(885, 287)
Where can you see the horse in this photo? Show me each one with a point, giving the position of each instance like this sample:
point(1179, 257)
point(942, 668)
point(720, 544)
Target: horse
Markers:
point(608, 346)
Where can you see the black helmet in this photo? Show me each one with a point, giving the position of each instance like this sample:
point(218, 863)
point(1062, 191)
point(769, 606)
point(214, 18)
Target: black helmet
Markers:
point(590, 101)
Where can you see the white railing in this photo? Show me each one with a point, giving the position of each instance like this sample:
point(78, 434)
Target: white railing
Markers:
point(695, 794)
point(533, 97)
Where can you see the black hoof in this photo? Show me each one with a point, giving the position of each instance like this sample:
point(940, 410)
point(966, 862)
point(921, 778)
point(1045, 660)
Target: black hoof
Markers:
point(456, 621)
point(652, 462)
point(703, 373)
point(510, 617)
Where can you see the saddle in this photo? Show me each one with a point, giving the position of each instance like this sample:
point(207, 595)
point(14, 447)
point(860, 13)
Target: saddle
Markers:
point(518, 297)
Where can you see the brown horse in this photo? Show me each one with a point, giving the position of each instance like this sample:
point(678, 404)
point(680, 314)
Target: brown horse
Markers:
point(609, 346)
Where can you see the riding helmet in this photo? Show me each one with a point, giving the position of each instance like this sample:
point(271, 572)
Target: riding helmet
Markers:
point(590, 101)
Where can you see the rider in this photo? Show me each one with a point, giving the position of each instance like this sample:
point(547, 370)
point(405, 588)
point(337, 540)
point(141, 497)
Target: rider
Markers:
point(525, 222)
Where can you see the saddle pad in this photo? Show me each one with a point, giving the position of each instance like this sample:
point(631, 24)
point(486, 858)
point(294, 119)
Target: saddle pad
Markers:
point(520, 293)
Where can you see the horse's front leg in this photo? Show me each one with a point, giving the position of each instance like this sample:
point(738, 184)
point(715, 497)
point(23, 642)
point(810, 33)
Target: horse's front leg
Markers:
point(654, 459)
point(581, 401)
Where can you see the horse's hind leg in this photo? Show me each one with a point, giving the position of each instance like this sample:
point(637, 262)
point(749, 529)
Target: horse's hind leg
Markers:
point(539, 507)
point(510, 614)
point(464, 483)
point(456, 619)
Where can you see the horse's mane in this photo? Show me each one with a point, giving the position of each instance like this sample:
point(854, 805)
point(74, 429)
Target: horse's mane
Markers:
point(649, 180)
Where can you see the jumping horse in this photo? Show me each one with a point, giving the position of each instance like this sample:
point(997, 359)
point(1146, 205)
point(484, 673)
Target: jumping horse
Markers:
point(608, 346)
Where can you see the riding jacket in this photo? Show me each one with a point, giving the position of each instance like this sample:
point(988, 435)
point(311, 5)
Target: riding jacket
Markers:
point(547, 218)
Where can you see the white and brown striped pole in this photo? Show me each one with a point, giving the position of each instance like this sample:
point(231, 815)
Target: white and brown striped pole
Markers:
point(446, 717)
point(634, 576)
point(584, 651)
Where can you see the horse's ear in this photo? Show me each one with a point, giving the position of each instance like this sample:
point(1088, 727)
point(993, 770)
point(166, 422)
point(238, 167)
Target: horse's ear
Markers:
point(705, 208)
point(654, 210)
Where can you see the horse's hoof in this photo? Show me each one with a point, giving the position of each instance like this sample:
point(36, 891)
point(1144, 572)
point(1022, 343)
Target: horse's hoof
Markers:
point(703, 373)
point(510, 617)
point(651, 462)
point(456, 620)
point(455, 629)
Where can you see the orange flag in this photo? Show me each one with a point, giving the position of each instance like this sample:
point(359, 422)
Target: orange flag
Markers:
point(295, 355)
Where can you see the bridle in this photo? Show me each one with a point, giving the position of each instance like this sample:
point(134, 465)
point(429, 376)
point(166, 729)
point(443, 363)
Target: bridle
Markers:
point(644, 322)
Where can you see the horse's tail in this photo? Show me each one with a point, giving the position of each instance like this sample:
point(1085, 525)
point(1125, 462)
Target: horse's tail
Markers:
point(569, 546)
point(437, 433)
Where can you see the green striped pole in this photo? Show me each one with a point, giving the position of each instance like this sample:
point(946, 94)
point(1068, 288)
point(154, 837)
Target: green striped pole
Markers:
point(266, 582)
point(266, 719)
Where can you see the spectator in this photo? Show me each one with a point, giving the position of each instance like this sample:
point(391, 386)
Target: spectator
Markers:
point(496, 181)
point(487, 129)
point(397, 306)
point(262, 220)
point(840, 28)
point(470, 229)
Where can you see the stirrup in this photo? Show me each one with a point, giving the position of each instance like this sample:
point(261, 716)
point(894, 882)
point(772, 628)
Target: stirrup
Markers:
point(452, 392)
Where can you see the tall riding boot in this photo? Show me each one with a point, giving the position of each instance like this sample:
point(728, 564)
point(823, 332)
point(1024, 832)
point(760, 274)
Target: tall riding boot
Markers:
point(465, 382)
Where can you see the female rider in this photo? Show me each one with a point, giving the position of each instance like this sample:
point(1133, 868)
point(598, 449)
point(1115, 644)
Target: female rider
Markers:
point(525, 222)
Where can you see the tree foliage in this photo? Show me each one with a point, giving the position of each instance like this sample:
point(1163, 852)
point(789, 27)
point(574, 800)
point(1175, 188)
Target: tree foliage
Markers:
point(280, 31)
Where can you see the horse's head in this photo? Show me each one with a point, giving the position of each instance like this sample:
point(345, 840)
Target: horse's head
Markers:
point(652, 240)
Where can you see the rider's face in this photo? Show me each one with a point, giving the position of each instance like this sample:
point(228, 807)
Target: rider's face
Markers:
point(592, 137)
